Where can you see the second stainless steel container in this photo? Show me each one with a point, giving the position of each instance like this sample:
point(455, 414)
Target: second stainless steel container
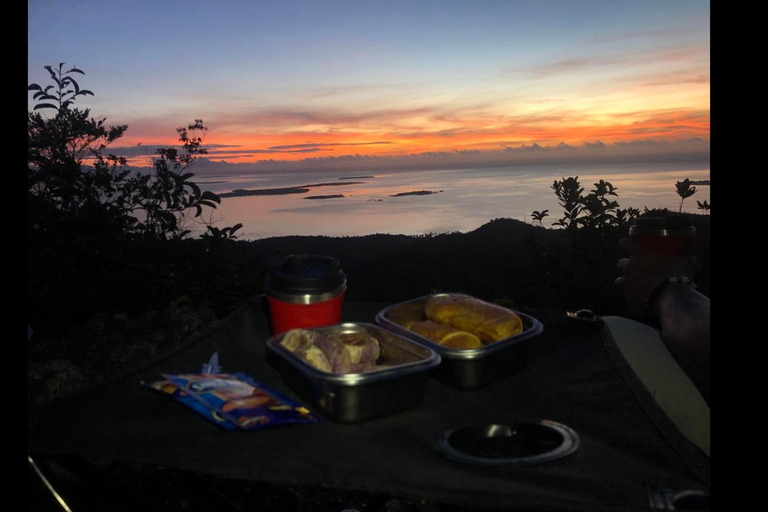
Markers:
point(397, 384)
point(464, 368)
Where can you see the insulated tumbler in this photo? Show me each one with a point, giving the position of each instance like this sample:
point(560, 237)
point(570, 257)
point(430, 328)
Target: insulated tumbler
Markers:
point(304, 290)
point(671, 236)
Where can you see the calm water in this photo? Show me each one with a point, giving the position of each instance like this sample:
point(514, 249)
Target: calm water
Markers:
point(467, 198)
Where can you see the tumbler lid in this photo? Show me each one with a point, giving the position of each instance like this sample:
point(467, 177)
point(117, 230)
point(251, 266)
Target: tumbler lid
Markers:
point(663, 226)
point(305, 275)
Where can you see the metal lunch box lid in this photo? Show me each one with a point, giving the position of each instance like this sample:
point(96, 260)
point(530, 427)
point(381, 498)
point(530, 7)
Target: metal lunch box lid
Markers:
point(305, 278)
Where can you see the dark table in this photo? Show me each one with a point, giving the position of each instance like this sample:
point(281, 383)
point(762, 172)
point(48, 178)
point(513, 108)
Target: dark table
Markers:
point(574, 375)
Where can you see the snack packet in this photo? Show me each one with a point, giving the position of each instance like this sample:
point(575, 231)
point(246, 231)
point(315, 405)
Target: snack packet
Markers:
point(241, 400)
point(167, 387)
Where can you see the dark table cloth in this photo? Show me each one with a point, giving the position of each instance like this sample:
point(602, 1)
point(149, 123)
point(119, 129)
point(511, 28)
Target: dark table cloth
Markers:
point(574, 375)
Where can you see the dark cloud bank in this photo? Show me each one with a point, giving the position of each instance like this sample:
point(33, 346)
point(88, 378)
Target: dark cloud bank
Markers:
point(693, 150)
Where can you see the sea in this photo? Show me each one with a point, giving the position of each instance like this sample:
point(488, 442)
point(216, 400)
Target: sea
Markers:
point(422, 202)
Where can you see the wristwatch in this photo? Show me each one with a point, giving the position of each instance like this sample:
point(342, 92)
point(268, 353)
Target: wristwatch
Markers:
point(656, 293)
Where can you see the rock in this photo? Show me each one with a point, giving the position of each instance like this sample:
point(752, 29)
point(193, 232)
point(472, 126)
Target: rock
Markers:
point(52, 379)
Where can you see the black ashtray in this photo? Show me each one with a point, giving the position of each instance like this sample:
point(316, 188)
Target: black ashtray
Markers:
point(519, 443)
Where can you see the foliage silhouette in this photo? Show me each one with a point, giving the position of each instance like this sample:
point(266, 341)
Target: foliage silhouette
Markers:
point(684, 189)
point(594, 210)
point(90, 217)
point(214, 233)
point(594, 224)
point(63, 97)
point(71, 175)
point(703, 206)
point(569, 192)
point(539, 215)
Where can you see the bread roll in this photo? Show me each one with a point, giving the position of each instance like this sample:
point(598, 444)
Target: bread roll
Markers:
point(350, 352)
point(296, 339)
point(487, 321)
point(316, 357)
point(445, 335)
point(334, 353)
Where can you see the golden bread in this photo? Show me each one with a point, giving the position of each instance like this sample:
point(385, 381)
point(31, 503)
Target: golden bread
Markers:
point(487, 321)
point(446, 335)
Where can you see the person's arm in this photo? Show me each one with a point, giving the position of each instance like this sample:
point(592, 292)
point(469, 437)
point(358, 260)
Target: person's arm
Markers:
point(681, 312)
point(683, 315)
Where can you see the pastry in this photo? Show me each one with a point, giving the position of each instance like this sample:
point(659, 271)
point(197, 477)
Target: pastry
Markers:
point(296, 339)
point(334, 353)
point(445, 335)
point(487, 321)
point(363, 350)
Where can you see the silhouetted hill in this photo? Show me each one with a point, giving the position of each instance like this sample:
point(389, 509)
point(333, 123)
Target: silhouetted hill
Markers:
point(504, 260)
point(493, 262)
point(125, 313)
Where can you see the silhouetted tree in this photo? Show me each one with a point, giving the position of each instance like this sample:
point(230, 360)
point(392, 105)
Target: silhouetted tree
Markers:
point(73, 179)
point(593, 210)
point(539, 215)
point(684, 189)
point(90, 217)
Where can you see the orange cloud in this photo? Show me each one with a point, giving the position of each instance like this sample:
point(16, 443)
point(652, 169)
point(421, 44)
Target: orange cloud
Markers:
point(447, 134)
point(293, 134)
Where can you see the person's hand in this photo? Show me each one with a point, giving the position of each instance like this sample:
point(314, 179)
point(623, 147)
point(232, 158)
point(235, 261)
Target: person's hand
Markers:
point(642, 270)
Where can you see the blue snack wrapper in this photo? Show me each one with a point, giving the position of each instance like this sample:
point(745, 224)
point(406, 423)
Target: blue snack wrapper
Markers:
point(212, 366)
point(241, 400)
point(167, 387)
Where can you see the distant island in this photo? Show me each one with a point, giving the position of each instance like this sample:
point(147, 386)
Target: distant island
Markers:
point(285, 190)
point(303, 189)
point(416, 193)
point(356, 177)
point(331, 196)
point(264, 192)
point(700, 182)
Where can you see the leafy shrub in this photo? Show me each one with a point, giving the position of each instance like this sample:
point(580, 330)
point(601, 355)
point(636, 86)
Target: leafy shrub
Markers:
point(593, 210)
point(684, 189)
point(103, 236)
point(72, 177)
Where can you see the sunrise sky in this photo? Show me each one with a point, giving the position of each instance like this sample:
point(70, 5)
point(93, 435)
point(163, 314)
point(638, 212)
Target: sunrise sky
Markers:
point(321, 83)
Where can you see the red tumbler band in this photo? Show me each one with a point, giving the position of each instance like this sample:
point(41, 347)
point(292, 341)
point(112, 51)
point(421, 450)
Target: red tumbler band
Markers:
point(286, 316)
point(667, 245)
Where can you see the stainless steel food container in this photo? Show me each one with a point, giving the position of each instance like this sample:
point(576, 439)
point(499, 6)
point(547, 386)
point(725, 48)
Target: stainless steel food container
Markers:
point(396, 385)
point(465, 368)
